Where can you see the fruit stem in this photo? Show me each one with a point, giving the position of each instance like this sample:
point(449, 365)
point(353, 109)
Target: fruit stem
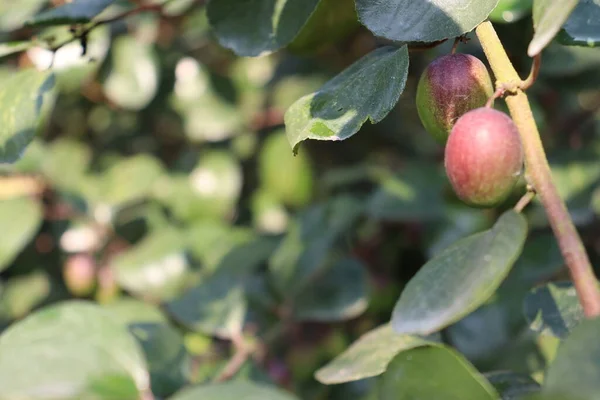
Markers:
point(533, 74)
point(540, 175)
point(525, 200)
point(455, 45)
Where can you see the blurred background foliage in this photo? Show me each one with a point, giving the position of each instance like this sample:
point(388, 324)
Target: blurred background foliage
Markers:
point(164, 189)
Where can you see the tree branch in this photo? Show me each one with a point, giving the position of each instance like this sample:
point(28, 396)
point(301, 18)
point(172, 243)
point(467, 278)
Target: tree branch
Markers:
point(539, 173)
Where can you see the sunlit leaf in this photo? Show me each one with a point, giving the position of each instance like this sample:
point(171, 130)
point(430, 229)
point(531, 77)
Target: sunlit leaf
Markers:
point(548, 18)
point(20, 219)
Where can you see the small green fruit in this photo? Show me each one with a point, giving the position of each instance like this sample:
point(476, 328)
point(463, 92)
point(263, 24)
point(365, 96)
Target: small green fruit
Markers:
point(484, 157)
point(449, 87)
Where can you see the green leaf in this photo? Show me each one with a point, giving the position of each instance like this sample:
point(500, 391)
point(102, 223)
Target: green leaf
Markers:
point(134, 75)
point(367, 90)
point(74, 12)
point(168, 360)
point(415, 193)
point(575, 371)
point(433, 372)
point(511, 385)
point(258, 27)
point(157, 267)
point(548, 18)
point(233, 391)
point(369, 356)
point(336, 294)
point(422, 21)
point(25, 99)
point(22, 293)
point(553, 309)
point(14, 47)
point(583, 26)
point(461, 278)
point(12, 16)
point(20, 219)
point(287, 177)
point(72, 350)
point(65, 163)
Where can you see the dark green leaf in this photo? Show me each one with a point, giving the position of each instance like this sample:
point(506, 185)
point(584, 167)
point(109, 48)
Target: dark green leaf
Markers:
point(367, 90)
point(575, 371)
point(25, 99)
point(233, 391)
point(461, 278)
point(548, 18)
point(257, 27)
point(433, 372)
point(553, 309)
point(20, 219)
point(583, 26)
point(422, 21)
point(76, 11)
point(156, 267)
point(368, 356)
point(71, 350)
point(511, 385)
point(335, 294)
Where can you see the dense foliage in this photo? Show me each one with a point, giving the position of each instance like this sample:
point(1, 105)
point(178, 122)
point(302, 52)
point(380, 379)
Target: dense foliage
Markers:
point(183, 218)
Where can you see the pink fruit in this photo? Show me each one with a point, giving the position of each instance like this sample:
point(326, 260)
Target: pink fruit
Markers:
point(449, 87)
point(484, 157)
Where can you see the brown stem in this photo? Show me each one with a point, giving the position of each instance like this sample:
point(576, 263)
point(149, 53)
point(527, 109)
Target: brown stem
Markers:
point(455, 45)
point(533, 74)
point(539, 174)
point(235, 363)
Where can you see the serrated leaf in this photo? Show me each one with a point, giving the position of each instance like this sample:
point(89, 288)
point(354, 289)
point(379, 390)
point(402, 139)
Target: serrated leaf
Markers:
point(575, 371)
point(553, 309)
point(73, 12)
point(72, 350)
point(369, 356)
point(156, 267)
point(233, 391)
point(461, 278)
point(258, 27)
point(336, 294)
point(548, 18)
point(20, 219)
point(25, 99)
point(367, 90)
point(511, 385)
point(409, 376)
point(583, 26)
point(422, 21)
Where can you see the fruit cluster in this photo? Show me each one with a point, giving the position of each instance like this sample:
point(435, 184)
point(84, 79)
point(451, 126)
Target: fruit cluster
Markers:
point(483, 155)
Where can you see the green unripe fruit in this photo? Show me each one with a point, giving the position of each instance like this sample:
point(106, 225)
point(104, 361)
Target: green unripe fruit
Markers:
point(449, 87)
point(484, 157)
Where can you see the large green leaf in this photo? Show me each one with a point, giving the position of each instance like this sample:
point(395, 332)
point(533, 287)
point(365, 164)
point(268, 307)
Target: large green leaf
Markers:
point(73, 12)
point(575, 371)
point(553, 309)
point(257, 27)
point(25, 99)
point(548, 18)
point(583, 26)
point(422, 21)
point(461, 278)
point(157, 267)
point(337, 293)
point(433, 372)
point(368, 356)
point(71, 350)
point(367, 90)
point(168, 360)
point(233, 391)
point(20, 219)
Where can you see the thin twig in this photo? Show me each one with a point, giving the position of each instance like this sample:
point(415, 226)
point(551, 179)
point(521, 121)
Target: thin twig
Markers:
point(455, 45)
point(235, 363)
point(533, 74)
point(526, 199)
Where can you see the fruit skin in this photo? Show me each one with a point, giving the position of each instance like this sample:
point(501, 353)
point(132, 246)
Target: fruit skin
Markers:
point(449, 87)
point(484, 157)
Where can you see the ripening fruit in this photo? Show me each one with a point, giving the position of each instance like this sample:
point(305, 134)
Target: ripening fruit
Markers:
point(449, 87)
point(484, 157)
point(79, 274)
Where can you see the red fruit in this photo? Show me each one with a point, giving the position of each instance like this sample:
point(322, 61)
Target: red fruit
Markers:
point(449, 87)
point(80, 274)
point(484, 157)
